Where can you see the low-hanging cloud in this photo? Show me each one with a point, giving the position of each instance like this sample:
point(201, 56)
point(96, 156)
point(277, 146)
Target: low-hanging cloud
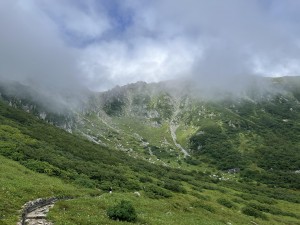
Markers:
point(31, 50)
point(65, 45)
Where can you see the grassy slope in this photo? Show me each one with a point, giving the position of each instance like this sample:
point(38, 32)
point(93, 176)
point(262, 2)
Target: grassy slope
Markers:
point(54, 152)
point(258, 133)
point(261, 138)
point(180, 209)
point(19, 185)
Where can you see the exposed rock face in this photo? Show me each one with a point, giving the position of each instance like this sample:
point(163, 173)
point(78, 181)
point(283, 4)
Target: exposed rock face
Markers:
point(233, 170)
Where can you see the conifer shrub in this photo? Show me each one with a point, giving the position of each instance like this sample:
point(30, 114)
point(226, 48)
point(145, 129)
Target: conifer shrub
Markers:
point(145, 179)
point(155, 192)
point(227, 203)
point(174, 186)
point(200, 204)
point(124, 211)
point(253, 212)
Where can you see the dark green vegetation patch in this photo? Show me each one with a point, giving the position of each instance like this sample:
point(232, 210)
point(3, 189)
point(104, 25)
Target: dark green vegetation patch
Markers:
point(123, 211)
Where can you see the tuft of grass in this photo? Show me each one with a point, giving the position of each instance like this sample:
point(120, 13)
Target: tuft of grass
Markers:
point(201, 205)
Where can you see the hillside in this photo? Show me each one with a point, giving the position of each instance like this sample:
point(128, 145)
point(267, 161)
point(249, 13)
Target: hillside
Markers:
point(192, 160)
point(256, 132)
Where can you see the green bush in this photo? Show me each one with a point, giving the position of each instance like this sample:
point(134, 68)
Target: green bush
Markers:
point(174, 186)
point(226, 203)
point(153, 191)
point(271, 209)
point(124, 211)
point(146, 179)
point(253, 212)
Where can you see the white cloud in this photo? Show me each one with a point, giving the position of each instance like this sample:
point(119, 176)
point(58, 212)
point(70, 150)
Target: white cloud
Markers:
point(31, 49)
point(162, 39)
point(140, 59)
point(84, 20)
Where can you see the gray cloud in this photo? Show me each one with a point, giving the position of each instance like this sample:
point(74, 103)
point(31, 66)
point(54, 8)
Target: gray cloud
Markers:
point(63, 44)
point(31, 50)
point(211, 41)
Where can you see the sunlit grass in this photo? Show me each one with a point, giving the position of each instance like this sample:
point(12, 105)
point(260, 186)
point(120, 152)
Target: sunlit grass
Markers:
point(180, 209)
point(19, 185)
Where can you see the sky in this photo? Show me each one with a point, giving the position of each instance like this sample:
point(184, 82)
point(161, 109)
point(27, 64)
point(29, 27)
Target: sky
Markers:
point(98, 44)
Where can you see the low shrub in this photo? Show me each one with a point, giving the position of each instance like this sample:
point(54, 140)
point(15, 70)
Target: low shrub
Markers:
point(253, 212)
point(226, 203)
point(124, 211)
point(272, 210)
point(174, 186)
point(153, 191)
point(146, 179)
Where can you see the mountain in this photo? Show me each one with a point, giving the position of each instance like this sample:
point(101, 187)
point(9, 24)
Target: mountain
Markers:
point(256, 131)
point(193, 155)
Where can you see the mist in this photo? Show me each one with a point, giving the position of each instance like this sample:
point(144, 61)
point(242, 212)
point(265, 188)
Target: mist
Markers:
point(65, 48)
